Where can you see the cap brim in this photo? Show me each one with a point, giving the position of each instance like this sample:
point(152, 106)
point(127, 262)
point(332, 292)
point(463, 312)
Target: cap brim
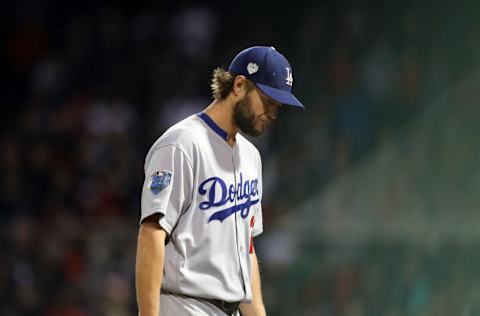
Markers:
point(281, 96)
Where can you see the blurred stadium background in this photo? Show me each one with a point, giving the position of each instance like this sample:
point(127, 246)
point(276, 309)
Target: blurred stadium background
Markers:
point(370, 199)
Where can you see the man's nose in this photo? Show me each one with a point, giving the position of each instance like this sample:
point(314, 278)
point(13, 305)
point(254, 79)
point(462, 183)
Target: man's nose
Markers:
point(272, 116)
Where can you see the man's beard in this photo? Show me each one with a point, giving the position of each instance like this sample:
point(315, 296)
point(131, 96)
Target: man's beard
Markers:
point(244, 117)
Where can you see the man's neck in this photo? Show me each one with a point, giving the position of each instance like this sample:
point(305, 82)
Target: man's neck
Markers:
point(221, 113)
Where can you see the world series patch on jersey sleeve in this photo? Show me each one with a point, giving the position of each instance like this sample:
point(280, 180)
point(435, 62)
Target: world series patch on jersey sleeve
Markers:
point(159, 181)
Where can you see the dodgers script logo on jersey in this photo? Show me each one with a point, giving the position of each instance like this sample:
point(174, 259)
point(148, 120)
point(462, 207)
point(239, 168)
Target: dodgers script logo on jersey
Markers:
point(217, 194)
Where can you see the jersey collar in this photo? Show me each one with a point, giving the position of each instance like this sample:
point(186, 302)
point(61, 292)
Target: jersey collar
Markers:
point(217, 129)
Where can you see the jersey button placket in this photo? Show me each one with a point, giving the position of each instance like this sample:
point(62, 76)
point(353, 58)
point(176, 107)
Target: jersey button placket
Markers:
point(238, 228)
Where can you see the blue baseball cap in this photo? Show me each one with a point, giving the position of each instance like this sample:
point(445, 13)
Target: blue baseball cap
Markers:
point(269, 70)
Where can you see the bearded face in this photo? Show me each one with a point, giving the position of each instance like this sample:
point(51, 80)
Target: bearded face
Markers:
point(245, 118)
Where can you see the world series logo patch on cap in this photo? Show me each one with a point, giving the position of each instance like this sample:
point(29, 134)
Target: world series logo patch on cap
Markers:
point(252, 68)
point(160, 180)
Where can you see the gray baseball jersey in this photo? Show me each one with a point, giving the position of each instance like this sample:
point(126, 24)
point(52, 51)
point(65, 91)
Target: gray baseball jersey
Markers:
point(209, 194)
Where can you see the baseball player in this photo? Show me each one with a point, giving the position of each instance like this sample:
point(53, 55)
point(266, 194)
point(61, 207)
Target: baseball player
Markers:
point(201, 200)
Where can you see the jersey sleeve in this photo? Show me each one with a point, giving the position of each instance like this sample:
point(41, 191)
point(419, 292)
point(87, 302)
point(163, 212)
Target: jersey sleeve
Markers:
point(168, 184)
point(258, 223)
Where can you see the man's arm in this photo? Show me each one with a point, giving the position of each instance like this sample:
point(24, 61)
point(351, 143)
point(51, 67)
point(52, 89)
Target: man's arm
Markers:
point(149, 266)
point(256, 307)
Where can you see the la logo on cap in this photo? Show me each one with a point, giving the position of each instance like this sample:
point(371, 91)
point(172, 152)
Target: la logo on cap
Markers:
point(252, 68)
point(289, 79)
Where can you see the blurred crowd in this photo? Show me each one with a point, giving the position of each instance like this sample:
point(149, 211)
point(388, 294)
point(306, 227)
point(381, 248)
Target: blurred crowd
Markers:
point(88, 87)
point(388, 279)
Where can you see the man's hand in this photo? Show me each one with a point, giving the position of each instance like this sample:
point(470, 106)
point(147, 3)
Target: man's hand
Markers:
point(256, 307)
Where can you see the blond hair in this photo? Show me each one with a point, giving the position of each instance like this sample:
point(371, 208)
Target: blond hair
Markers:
point(222, 83)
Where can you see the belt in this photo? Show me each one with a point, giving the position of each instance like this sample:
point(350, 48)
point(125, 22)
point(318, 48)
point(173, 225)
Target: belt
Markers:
point(229, 308)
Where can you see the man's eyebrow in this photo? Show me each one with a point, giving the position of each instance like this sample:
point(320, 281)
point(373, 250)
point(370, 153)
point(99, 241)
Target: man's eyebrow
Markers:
point(268, 99)
point(271, 101)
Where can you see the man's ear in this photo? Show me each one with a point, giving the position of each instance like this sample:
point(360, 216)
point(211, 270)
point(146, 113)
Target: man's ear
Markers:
point(240, 86)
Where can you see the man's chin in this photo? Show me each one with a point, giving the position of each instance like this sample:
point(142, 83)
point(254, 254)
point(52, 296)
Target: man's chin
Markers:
point(253, 132)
